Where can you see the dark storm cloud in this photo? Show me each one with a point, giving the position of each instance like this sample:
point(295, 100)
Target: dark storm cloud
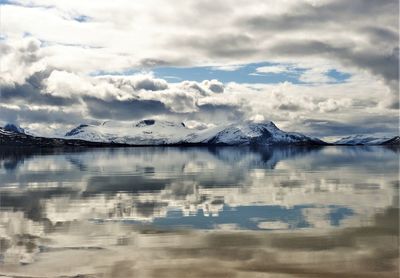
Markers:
point(9, 115)
point(225, 112)
point(370, 125)
point(223, 45)
point(181, 106)
point(289, 107)
point(124, 110)
point(381, 34)
point(152, 62)
point(42, 115)
point(382, 64)
point(32, 92)
point(306, 15)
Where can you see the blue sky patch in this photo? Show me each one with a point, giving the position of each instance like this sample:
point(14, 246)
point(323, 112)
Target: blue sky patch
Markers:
point(338, 76)
point(242, 74)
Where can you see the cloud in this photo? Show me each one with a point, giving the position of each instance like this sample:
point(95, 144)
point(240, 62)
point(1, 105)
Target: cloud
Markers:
point(198, 125)
point(316, 75)
point(384, 64)
point(31, 92)
point(214, 85)
point(83, 60)
point(369, 125)
point(66, 84)
point(227, 67)
point(193, 86)
point(20, 58)
point(274, 69)
point(55, 97)
point(123, 110)
point(178, 101)
point(145, 81)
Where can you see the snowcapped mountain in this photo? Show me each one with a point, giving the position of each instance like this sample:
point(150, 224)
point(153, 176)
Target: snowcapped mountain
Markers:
point(12, 138)
point(157, 132)
point(145, 132)
point(395, 141)
point(160, 132)
point(367, 140)
point(14, 128)
point(266, 133)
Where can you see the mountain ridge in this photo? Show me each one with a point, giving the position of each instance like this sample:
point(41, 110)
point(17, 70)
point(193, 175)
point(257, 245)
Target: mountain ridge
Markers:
point(367, 140)
point(150, 132)
point(16, 139)
point(157, 132)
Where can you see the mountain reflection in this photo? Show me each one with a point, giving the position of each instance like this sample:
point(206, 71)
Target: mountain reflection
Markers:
point(303, 199)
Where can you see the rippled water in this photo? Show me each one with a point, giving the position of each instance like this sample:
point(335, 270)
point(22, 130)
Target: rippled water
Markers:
point(200, 212)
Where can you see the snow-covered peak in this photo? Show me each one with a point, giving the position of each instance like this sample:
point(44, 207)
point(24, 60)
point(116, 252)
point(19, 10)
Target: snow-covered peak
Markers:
point(79, 129)
point(14, 128)
point(361, 139)
point(256, 129)
point(160, 132)
point(250, 133)
point(144, 132)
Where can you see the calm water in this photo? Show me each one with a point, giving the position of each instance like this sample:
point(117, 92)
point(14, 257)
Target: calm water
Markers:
point(200, 212)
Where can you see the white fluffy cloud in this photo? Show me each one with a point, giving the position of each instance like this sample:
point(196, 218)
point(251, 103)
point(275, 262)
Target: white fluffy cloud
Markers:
point(275, 69)
point(20, 58)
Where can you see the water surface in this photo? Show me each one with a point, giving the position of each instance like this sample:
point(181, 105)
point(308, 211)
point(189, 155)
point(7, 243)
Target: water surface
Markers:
point(199, 212)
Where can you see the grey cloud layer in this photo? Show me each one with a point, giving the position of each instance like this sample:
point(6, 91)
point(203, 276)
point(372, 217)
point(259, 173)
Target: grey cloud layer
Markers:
point(340, 31)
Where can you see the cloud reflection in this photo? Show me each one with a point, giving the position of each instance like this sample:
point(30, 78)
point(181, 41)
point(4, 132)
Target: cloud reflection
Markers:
point(262, 205)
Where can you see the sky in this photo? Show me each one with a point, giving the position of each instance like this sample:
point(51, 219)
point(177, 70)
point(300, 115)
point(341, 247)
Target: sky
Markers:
point(327, 68)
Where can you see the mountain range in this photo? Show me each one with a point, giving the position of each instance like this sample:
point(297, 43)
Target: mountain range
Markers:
point(159, 132)
point(368, 140)
point(11, 137)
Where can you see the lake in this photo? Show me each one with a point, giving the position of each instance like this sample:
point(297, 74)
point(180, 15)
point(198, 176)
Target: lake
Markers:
point(200, 212)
